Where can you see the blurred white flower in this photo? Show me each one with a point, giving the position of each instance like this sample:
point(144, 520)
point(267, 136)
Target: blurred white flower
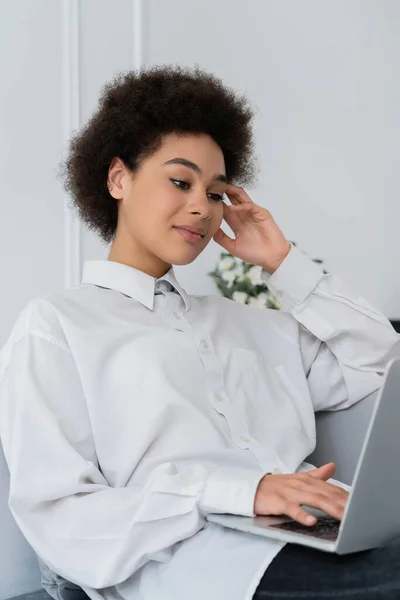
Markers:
point(260, 301)
point(239, 297)
point(226, 263)
point(238, 268)
point(254, 274)
point(274, 303)
point(228, 276)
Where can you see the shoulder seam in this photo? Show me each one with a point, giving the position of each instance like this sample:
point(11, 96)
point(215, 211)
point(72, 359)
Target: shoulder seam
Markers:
point(49, 338)
point(37, 333)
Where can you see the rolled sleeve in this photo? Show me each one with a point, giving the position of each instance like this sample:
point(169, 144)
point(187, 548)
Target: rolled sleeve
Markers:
point(230, 492)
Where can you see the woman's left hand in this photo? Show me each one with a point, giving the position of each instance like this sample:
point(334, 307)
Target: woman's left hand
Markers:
point(258, 239)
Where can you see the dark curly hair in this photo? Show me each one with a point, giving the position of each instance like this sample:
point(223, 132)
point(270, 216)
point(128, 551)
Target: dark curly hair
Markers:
point(136, 109)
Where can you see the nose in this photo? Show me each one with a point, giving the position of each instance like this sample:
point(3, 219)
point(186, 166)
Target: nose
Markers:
point(200, 205)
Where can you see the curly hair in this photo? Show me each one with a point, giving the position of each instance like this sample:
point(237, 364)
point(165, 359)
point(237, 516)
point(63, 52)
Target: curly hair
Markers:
point(136, 110)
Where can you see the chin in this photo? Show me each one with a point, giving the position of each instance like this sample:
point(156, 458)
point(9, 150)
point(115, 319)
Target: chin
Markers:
point(180, 259)
point(182, 253)
point(186, 261)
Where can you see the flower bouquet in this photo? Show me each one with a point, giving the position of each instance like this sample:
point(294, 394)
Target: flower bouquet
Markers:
point(240, 281)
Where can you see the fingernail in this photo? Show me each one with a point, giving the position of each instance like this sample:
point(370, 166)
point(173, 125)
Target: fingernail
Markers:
point(310, 519)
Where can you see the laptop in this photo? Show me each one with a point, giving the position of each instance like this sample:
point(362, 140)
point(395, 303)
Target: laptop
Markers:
point(372, 513)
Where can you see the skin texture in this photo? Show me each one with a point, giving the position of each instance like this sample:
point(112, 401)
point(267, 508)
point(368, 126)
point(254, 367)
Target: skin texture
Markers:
point(150, 204)
point(285, 494)
point(136, 110)
point(159, 196)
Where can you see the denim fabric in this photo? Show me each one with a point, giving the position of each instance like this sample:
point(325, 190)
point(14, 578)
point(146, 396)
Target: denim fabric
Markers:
point(58, 587)
point(303, 573)
point(38, 595)
point(300, 573)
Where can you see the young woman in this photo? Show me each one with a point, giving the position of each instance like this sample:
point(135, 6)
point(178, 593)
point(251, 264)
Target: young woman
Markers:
point(130, 410)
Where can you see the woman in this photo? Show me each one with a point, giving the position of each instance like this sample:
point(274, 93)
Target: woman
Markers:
point(130, 410)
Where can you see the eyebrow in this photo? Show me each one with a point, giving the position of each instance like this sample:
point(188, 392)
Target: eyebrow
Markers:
point(194, 167)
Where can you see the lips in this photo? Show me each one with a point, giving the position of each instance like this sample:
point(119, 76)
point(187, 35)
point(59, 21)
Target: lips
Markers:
point(189, 236)
point(198, 230)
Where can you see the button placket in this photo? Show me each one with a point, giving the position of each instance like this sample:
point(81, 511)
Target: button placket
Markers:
point(218, 397)
point(175, 314)
point(216, 392)
point(214, 374)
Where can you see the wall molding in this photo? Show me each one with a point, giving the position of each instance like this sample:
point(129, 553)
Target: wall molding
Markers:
point(137, 34)
point(71, 122)
point(73, 251)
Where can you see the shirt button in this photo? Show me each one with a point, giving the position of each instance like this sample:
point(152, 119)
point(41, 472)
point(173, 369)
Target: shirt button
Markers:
point(245, 439)
point(277, 471)
point(218, 397)
point(204, 344)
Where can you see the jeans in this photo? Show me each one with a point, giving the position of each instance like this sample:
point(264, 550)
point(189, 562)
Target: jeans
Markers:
point(70, 591)
point(301, 572)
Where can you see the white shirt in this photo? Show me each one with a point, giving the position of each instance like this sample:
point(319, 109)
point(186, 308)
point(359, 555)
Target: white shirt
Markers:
point(127, 416)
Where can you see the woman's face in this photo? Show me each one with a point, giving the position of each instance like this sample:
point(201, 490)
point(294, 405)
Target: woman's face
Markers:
point(164, 194)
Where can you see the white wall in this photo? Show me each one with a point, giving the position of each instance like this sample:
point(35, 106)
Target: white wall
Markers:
point(322, 76)
point(31, 213)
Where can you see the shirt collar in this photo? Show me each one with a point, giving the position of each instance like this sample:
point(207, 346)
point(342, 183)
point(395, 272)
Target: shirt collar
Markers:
point(130, 281)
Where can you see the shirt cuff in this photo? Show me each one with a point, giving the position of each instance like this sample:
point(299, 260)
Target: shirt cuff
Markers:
point(231, 492)
point(295, 278)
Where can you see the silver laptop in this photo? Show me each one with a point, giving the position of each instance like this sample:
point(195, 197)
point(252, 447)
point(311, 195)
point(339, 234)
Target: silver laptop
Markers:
point(372, 514)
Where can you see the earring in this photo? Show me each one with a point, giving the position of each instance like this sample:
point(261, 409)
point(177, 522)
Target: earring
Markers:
point(110, 189)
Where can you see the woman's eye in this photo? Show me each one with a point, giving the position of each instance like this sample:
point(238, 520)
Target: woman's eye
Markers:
point(183, 185)
point(216, 197)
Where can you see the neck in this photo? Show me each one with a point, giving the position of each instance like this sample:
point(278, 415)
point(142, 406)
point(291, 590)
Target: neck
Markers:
point(130, 252)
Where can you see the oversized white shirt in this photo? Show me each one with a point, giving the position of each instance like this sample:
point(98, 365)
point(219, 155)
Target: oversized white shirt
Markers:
point(127, 415)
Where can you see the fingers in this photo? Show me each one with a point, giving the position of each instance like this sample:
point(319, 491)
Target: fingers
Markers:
point(237, 195)
point(323, 487)
point(278, 504)
point(304, 483)
point(331, 504)
point(294, 511)
point(237, 207)
point(335, 489)
point(325, 472)
point(224, 240)
point(236, 214)
point(289, 502)
point(288, 494)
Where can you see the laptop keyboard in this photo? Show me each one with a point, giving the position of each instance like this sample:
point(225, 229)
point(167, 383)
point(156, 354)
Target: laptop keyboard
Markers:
point(326, 528)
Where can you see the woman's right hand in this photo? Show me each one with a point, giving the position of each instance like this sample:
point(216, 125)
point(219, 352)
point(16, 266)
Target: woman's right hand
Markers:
point(285, 494)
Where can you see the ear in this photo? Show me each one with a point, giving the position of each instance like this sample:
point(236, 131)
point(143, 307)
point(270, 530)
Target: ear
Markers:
point(117, 178)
